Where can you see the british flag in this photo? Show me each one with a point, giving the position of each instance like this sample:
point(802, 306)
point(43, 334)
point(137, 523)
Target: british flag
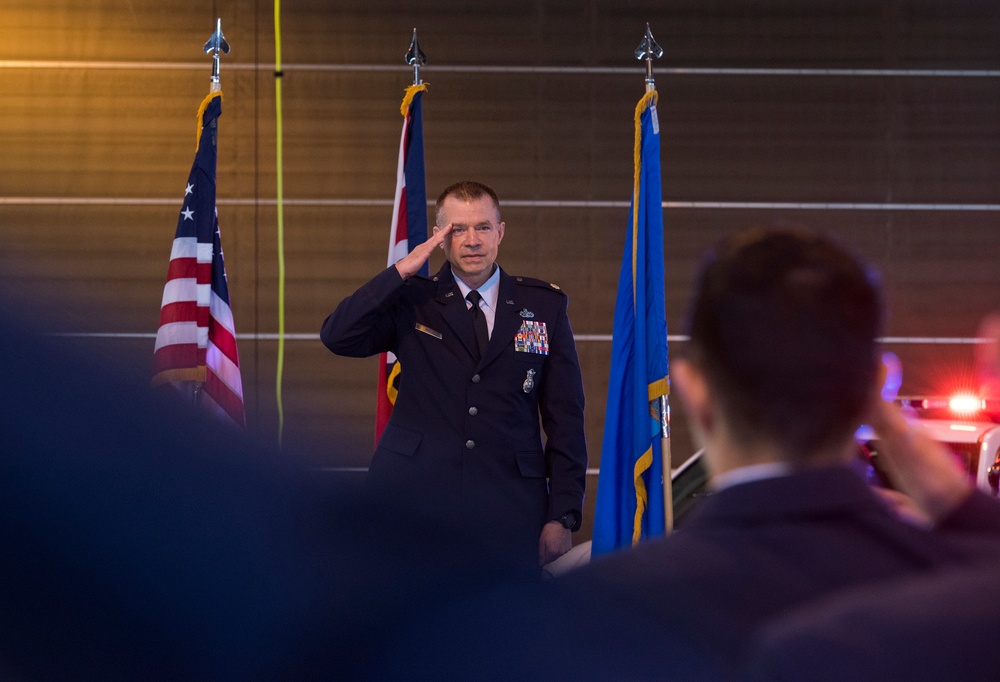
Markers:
point(409, 228)
point(196, 340)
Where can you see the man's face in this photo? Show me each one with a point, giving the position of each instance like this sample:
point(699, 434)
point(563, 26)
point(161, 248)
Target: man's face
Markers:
point(475, 237)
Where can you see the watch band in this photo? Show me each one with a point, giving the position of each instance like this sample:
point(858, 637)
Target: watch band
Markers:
point(568, 520)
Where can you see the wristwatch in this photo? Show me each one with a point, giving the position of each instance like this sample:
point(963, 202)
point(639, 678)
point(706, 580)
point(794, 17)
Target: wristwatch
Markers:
point(568, 520)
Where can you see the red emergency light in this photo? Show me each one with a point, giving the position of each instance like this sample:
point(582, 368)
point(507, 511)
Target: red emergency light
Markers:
point(966, 404)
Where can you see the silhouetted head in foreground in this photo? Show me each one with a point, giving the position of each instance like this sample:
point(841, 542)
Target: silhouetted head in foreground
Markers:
point(783, 330)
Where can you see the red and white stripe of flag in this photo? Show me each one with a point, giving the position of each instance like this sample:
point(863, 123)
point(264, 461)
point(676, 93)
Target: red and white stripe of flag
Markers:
point(196, 340)
point(398, 234)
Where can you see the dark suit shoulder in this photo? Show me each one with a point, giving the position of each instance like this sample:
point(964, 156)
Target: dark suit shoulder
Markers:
point(537, 284)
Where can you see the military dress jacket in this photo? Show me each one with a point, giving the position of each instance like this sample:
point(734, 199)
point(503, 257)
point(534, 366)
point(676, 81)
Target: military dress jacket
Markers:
point(464, 438)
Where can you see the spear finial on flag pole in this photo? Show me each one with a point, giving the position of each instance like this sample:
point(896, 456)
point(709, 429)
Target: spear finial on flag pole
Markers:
point(648, 49)
point(416, 58)
point(217, 44)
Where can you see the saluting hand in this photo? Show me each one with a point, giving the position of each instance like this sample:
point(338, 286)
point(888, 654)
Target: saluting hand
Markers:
point(918, 466)
point(410, 264)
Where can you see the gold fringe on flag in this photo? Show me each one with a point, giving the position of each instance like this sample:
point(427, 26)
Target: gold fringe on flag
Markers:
point(641, 496)
point(201, 112)
point(649, 99)
point(660, 387)
point(198, 374)
point(408, 96)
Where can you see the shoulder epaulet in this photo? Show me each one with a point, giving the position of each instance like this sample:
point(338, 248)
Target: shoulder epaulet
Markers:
point(420, 277)
point(426, 283)
point(532, 282)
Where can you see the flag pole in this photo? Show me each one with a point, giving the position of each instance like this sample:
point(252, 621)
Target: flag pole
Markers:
point(215, 46)
point(416, 58)
point(648, 50)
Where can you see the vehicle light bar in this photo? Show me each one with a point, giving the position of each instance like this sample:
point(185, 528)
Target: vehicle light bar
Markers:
point(966, 404)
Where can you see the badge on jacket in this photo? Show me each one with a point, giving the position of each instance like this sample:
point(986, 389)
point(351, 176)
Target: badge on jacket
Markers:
point(532, 337)
point(529, 381)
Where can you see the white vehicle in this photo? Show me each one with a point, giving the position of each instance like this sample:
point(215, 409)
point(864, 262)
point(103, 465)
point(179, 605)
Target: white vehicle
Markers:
point(967, 425)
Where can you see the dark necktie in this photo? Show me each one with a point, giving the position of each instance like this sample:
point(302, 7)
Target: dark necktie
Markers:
point(478, 321)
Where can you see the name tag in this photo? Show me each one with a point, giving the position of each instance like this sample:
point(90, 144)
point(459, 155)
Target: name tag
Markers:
point(427, 330)
point(532, 337)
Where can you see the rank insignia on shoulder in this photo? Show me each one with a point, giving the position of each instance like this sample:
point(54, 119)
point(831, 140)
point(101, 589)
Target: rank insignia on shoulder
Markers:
point(532, 337)
point(527, 314)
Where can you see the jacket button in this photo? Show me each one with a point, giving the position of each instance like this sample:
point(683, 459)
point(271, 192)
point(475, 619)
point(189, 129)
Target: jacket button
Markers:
point(475, 378)
point(470, 444)
point(473, 411)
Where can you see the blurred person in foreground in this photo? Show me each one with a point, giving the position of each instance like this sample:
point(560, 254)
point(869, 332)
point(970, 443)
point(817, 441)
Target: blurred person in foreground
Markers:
point(141, 539)
point(937, 626)
point(783, 366)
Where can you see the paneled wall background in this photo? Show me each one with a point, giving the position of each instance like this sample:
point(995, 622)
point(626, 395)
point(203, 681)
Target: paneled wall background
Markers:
point(878, 121)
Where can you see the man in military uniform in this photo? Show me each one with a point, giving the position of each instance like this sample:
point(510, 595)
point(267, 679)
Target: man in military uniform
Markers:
point(483, 356)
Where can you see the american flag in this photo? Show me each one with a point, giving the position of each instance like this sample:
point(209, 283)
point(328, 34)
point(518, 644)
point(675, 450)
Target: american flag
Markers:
point(409, 228)
point(196, 341)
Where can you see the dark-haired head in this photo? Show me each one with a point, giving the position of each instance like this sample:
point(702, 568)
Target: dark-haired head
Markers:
point(783, 326)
